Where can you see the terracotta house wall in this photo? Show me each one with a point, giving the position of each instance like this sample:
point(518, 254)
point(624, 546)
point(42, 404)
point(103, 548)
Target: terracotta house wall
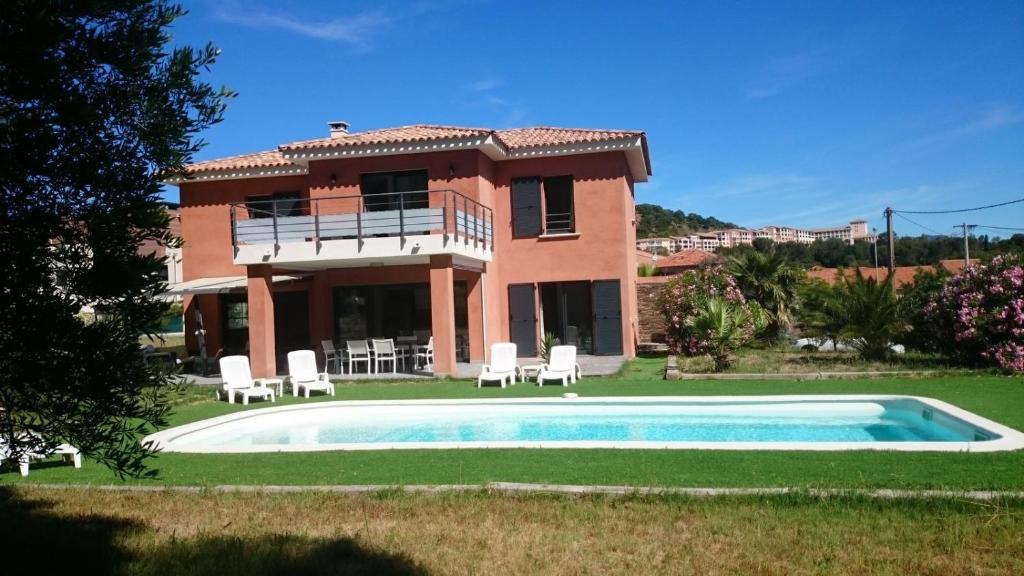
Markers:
point(206, 221)
point(605, 245)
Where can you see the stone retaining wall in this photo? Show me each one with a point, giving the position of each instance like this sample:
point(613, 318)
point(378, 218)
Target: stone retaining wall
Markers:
point(652, 323)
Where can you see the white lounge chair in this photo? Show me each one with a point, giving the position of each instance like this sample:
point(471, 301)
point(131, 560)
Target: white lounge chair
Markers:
point(67, 451)
point(303, 374)
point(357, 352)
point(384, 352)
point(425, 355)
point(502, 367)
point(332, 357)
point(561, 367)
point(238, 380)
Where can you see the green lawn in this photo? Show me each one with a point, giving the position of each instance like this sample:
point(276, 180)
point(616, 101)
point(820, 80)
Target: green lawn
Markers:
point(996, 397)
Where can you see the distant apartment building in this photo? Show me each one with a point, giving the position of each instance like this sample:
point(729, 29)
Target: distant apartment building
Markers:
point(711, 241)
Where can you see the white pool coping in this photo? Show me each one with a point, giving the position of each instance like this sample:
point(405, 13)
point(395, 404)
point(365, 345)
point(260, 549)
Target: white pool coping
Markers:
point(1007, 438)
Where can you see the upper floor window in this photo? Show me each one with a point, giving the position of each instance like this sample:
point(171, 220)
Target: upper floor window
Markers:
point(394, 190)
point(554, 194)
point(283, 203)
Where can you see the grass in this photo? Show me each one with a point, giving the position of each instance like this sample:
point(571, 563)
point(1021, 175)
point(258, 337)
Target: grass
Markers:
point(996, 397)
point(784, 360)
point(99, 532)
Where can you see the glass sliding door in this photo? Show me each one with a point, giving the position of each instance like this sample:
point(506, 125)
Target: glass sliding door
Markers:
point(383, 190)
point(568, 313)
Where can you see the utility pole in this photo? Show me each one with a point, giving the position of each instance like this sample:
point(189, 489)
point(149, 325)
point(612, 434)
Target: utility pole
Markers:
point(967, 248)
point(874, 242)
point(891, 234)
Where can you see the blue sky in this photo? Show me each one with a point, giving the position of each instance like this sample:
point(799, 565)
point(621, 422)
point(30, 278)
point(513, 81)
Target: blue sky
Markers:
point(794, 113)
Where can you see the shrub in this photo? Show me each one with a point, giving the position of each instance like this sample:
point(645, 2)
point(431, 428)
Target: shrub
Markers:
point(816, 313)
point(922, 334)
point(769, 279)
point(646, 270)
point(870, 316)
point(723, 326)
point(695, 325)
point(978, 317)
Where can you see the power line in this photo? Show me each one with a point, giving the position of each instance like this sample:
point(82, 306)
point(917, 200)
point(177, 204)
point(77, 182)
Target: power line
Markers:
point(960, 210)
point(1000, 228)
point(919, 225)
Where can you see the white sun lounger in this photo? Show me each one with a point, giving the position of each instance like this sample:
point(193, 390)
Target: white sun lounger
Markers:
point(502, 367)
point(303, 373)
point(238, 380)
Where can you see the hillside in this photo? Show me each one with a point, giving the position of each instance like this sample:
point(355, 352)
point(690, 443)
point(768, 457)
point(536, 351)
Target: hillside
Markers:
point(654, 221)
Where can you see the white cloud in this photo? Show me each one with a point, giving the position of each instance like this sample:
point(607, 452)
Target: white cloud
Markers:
point(783, 72)
point(763, 185)
point(355, 30)
point(484, 85)
point(989, 118)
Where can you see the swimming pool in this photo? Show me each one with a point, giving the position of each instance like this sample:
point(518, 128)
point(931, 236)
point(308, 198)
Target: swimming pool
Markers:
point(668, 422)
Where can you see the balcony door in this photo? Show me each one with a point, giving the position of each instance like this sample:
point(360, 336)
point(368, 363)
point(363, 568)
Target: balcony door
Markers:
point(392, 190)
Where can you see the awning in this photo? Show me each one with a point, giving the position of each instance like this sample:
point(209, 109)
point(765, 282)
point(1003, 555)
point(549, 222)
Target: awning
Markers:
point(221, 284)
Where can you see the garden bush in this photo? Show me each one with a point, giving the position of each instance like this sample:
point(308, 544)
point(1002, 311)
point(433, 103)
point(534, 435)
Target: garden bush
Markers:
point(978, 318)
point(707, 314)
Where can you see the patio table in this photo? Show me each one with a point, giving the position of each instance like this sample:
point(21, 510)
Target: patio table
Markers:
point(530, 371)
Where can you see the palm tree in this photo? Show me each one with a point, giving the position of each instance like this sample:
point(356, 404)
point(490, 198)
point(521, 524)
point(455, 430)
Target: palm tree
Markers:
point(769, 279)
point(724, 326)
point(871, 316)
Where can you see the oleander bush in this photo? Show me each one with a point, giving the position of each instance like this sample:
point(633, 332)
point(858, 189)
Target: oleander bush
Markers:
point(707, 314)
point(978, 317)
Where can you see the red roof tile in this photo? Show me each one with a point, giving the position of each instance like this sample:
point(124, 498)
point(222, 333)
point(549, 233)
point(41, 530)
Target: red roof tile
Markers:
point(266, 159)
point(685, 259)
point(904, 274)
point(511, 139)
point(401, 134)
point(517, 138)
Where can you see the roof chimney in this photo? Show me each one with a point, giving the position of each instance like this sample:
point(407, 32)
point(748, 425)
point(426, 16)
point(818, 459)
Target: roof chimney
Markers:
point(339, 128)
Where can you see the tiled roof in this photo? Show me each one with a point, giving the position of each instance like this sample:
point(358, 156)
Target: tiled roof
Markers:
point(904, 274)
point(517, 138)
point(401, 134)
point(511, 140)
point(266, 159)
point(685, 259)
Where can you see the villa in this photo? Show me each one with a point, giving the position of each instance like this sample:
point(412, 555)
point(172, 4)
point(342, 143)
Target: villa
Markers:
point(470, 236)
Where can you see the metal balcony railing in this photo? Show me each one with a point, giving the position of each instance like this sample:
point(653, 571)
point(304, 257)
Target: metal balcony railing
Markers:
point(357, 216)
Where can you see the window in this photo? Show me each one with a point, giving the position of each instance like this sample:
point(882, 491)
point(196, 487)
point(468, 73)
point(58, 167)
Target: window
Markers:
point(555, 194)
point(235, 323)
point(558, 213)
point(394, 190)
point(284, 203)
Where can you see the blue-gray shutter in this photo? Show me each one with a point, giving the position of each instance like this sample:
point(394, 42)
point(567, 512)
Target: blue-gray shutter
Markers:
point(526, 207)
point(522, 318)
point(607, 317)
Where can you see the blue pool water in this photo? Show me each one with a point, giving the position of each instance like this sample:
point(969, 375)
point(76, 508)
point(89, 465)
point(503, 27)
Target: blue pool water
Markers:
point(901, 420)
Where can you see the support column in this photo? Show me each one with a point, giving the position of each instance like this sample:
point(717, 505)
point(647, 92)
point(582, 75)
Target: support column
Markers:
point(475, 312)
point(262, 348)
point(442, 313)
point(320, 312)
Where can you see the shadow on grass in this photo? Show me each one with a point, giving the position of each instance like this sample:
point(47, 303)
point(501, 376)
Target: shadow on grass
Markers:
point(37, 540)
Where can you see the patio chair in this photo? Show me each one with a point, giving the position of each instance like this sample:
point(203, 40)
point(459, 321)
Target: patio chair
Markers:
point(561, 367)
point(502, 367)
point(332, 356)
point(67, 451)
point(425, 355)
point(384, 352)
point(357, 351)
point(303, 375)
point(238, 380)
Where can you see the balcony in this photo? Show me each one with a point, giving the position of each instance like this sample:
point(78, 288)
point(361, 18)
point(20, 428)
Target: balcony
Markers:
point(362, 230)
